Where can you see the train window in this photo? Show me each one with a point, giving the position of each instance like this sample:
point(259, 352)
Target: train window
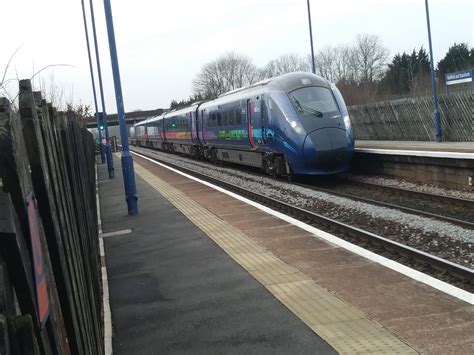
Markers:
point(238, 117)
point(219, 119)
point(211, 119)
point(225, 118)
point(232, 118)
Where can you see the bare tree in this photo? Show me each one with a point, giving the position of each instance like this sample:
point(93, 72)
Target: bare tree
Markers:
point(228, 72)
point(364, 62)
point(54, 92)
point(9, 85)
point(286, 63)
point(370, 57)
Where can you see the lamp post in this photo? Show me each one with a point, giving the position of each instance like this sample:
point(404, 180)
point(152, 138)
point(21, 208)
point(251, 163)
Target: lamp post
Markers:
point(311, 38)
point(108, 149)
point(437, 117)
point(127, 160)
point(99, 128)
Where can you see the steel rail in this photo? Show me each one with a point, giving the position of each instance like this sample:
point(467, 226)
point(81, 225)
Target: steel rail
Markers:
point(458, 200)
point(460, 222)
point(342, 230)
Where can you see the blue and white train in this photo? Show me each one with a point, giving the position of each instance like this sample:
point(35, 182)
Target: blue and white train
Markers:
point(294, 124)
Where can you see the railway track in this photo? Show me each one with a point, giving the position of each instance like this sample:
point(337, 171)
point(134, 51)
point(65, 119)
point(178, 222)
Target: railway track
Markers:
point(442, 269)
point(358, 191)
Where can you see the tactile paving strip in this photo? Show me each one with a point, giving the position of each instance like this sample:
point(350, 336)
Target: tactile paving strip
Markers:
point(344, 327)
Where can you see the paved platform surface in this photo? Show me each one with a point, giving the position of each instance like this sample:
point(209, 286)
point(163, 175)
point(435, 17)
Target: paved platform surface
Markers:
point(427, 320)
point(459, 147)
point(173, 290)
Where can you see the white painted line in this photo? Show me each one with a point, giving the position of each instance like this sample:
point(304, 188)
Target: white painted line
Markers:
point(393, 265)
point(105, 283)
point(120, 232)
point(101, 247)
point(417, 153)
point(101, 181)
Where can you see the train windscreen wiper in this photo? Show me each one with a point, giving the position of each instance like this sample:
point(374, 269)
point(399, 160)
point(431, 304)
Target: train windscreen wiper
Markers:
point(304, 108)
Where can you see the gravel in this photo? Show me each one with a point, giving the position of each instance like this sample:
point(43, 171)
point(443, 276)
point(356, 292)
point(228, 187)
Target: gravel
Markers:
point(384, 181)
point(443, 239)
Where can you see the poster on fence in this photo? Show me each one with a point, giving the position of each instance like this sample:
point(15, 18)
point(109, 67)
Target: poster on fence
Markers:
point(41, 287)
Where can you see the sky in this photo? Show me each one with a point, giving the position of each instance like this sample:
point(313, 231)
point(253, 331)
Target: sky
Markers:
point(163, 44)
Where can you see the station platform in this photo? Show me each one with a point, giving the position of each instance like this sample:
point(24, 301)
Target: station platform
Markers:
point(416, 146)
point(198, 271)
point(444, 164)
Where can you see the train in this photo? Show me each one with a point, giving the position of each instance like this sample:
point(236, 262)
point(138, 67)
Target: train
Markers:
point(293, 124)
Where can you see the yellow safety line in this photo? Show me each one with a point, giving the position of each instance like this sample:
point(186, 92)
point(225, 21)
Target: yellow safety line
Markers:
point(344, 327)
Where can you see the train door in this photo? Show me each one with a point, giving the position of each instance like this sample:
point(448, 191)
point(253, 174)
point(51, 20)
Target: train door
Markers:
point(200, 126)
point(255, 121)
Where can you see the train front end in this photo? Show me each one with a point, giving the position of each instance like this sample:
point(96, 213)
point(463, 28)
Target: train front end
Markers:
point(321, 129)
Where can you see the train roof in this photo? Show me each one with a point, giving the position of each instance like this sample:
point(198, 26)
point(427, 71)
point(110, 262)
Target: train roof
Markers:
point(292, 81)
point(287, 82)
point(182, 111)
point(154, 118)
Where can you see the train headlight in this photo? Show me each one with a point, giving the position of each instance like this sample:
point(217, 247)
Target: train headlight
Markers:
point(347, 122)
point(296, 126)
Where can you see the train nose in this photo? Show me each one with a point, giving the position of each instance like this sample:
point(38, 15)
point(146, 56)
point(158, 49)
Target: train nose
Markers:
point(327, 148)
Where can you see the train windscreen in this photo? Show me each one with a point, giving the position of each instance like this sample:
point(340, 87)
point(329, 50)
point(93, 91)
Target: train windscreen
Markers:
point(314, 100)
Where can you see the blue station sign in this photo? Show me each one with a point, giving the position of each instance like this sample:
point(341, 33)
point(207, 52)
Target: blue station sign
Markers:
point(459, 77)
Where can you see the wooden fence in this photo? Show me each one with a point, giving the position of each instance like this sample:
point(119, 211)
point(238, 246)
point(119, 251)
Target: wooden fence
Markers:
point(412, 119)
point(50, 280)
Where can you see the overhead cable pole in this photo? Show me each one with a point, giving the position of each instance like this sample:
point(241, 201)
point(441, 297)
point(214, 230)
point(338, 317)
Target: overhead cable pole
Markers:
point(437, 117)
point(311, 39)
point(108, 149)
point(101, 146)
point(127, 160)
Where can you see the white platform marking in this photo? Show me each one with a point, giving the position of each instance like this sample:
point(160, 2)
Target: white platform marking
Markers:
point(120, 232)
point(105, 283)
point(417, 153)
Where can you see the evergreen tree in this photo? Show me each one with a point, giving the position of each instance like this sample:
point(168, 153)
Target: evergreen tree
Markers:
point(405, 72)
point(459, 57)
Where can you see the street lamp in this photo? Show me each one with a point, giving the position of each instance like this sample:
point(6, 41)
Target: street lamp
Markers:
point(437, 118)
point(311, 39)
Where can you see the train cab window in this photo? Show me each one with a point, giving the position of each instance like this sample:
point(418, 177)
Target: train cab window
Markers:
point(219, 119)
point(314, 101)
point(225, 118)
